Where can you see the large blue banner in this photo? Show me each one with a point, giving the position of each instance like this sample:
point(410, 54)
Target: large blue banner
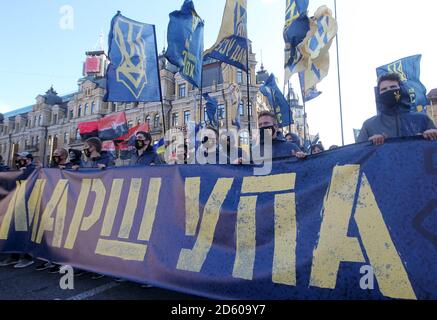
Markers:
point(133, 74)
point(354, 223)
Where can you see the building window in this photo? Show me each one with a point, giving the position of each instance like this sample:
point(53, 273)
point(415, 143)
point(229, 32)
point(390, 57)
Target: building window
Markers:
point(148, 120)
point(66, 138)
point(55, 119)
point(239, 76)
point(93, 107)
point(241, 109)
point(78, 137)
point(71, 113)
point(175, 119)
point(187, 115)
point(138, 122)
point(79, 112)
point(182, 90)
point(221, 112)
point(34, 121)
point(130, 124)
point(32, 139)
point(156, 121)
point(244, 138)
point(40, 120)
point(86, 109)
point(37, 140)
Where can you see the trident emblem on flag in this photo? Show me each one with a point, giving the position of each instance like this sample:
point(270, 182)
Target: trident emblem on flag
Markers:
point(132, 69)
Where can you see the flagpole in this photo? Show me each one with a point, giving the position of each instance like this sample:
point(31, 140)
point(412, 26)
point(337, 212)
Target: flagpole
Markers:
point(289, 106)
point(302, 89)
point(339, 79)
point(201, 94)
point(248, 99)
point(159, 78)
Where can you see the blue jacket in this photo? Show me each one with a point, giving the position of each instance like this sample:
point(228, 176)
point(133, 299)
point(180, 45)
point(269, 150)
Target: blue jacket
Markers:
point(396, 123)
point(146, 159)
point(3, 168)
point(104, 158)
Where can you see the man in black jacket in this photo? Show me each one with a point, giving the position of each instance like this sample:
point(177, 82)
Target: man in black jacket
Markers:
point(395, 118)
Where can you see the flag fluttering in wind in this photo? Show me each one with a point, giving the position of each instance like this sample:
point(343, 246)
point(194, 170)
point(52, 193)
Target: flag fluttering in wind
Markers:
point(235, 95)
point(277, 101)
point(297, 25)
point(185, 43)
point(231, 46)
point(311, 93)
point(133, 72)
point(409, 71)
point(316, 45)
point(113, 126)
point(314, 49)
point(211, 109)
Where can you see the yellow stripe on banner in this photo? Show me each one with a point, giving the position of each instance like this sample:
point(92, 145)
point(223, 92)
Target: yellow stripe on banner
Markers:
point(192, 260)
point(131, 207)
point(7, 218)
point(192, 193)
point(284, 260)
point(276, 183)
point(150, 210)
point(123, 250)
point(111, 207)
point(392, 277)
point(334, 244)
point(99, 189)
point(246, 239)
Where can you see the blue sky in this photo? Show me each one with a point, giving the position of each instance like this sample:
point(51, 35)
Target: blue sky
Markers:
point(37, 52)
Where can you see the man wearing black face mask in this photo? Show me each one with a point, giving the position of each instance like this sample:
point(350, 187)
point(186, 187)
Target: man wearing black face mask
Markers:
point(281, 148)
point(144, 155)
point(395, 118)
point(60, 159)
point(25, 164)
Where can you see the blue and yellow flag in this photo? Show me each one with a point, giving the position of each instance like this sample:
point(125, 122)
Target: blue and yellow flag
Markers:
point(311, 93)
point(315, 47)
point(231, 46)
point(185, 43)
point(409, 71)
point(277, 101)
point(133, 74)
point(297, 25)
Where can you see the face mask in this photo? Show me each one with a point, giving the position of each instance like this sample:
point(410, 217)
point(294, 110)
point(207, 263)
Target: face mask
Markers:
point(87, 153)
point(140, 144)
point(57, 159)
point(263, 133)
point(390, 98)
point(22, 163)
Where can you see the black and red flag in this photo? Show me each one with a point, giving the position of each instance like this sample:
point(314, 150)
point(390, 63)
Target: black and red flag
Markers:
point(113, 126)
point(88, 129)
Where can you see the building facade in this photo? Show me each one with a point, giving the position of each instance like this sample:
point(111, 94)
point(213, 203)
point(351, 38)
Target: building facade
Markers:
point(432, 109)
point(52, 122)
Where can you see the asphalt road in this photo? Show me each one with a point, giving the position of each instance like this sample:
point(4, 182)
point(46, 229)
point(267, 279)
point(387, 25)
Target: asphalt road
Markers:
point(29, 284)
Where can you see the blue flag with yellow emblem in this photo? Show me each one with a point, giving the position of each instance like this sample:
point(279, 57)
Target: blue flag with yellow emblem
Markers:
point(409, 71)
point(185, 43)
point(297, 25)
point(133, 74)
point(277, 101)
point(231, 46)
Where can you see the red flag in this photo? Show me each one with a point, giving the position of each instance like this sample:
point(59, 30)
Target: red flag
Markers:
point(113, 126)
point(88, 129)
